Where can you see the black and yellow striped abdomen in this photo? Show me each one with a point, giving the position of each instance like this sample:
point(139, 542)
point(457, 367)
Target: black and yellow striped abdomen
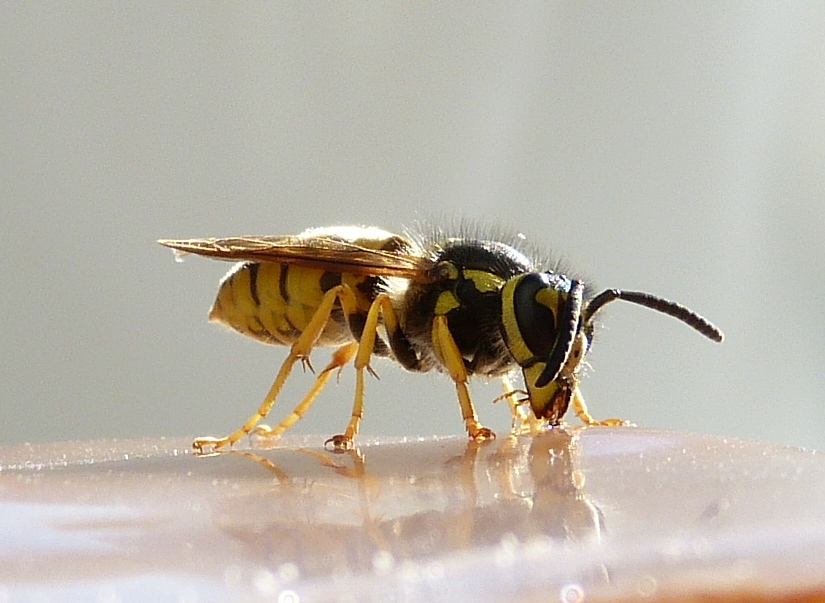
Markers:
point(274, 303)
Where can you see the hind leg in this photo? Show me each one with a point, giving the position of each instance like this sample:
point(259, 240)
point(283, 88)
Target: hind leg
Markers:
point(340, 358)
point(300, 350)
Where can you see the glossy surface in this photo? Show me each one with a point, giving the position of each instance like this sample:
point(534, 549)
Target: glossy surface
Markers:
point(600, 513)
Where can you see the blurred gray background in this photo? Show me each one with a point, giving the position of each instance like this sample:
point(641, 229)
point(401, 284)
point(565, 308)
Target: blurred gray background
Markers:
point(678, 150)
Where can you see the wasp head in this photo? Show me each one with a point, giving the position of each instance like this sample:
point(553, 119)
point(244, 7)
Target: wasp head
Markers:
point(542, 326)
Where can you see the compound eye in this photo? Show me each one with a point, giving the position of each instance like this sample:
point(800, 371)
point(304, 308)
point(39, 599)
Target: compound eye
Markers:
point(534, 303)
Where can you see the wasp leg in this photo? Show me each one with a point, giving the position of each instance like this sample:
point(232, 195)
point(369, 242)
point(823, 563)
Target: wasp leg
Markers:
point(524, 419)
point(449, 354)
point(340, 358)
point(518, 419)
point(581, 411)
point(299, 351)
point(382, 305)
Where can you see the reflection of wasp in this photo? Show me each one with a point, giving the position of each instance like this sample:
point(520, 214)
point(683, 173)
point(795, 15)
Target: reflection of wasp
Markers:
point(459, 305)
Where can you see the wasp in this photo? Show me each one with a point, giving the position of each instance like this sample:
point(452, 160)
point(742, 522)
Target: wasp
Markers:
point(459, 305)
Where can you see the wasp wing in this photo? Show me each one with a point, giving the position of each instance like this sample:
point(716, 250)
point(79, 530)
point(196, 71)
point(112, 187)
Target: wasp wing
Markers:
point(323, 252)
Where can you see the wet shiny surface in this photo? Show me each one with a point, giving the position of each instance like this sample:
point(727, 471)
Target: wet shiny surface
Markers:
point(603, 513)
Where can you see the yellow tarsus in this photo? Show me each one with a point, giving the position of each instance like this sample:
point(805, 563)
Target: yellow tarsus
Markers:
point(524, 419)
point(581, 411)
point(381, 306)
point(449, 354)
point(300, 350)
point(340, 358)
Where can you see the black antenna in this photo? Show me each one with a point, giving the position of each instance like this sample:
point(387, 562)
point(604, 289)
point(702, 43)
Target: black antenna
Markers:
point(677, 311)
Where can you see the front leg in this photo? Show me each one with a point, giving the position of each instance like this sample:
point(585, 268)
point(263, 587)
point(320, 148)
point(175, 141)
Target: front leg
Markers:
point(581, 411)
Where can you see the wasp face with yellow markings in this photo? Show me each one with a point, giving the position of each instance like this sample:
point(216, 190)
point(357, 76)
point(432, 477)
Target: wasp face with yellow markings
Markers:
point(461, 306)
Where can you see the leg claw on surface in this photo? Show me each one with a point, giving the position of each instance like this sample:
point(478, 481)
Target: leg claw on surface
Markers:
point(338, 443)
point(263, 431)
point(207, 445)
point(483, 434)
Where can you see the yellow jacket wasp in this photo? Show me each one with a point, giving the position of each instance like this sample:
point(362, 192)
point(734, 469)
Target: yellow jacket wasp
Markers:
point(462, 306)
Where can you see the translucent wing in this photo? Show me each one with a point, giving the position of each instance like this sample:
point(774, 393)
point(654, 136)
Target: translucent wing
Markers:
point(326, 252)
